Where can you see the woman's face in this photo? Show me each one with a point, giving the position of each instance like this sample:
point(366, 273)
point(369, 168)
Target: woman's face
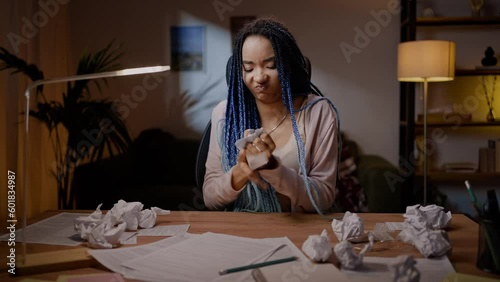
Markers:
point(259, 69)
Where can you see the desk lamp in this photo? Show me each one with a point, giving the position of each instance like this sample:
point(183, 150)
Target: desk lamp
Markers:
point(426, 61)
point(34, 84)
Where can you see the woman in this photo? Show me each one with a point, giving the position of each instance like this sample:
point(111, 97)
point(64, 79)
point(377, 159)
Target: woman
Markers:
point(269, 88)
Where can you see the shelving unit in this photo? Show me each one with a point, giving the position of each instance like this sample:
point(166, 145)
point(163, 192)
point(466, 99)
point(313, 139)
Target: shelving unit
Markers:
point(474, 72)
point(409, 127)
point(465, 124)
point(456, 176)
point(458, 21)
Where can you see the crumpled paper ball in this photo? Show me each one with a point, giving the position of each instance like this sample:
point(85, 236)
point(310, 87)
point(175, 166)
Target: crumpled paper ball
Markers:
point(347, 257)
point(351, 227)
point(105, 231)
point(404, 270)
point(85, 224)
point(430, 216)
point(430, 243)
point(317, 247)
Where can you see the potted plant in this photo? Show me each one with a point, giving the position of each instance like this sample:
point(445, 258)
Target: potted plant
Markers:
point(80, 115)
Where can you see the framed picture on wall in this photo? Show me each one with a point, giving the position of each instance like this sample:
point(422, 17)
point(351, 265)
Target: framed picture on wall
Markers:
point(187, 45)
point(237, 23)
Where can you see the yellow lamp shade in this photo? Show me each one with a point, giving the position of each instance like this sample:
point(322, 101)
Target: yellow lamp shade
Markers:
point(431, 60)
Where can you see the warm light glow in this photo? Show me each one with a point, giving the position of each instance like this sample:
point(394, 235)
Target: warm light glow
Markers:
point(431, 60)
point(142, 70)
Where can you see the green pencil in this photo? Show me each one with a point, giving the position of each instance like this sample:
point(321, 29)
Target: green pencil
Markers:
point(256, 265)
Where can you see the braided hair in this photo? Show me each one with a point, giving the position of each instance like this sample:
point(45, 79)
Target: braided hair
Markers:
point(242, 113)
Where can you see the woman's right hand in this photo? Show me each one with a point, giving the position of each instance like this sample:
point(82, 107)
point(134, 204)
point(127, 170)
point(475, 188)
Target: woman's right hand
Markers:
point(242, 173)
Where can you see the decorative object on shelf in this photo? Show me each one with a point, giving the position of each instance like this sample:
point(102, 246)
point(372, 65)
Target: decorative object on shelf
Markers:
point(426, 61)
point(476, 6)
point(489, 58)
point(490, 97)
point(428, 12)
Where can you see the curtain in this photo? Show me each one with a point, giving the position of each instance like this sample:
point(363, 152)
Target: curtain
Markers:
point(41, 31)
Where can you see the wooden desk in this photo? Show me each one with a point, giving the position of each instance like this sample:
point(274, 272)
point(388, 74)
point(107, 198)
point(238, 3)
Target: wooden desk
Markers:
point(463, 234)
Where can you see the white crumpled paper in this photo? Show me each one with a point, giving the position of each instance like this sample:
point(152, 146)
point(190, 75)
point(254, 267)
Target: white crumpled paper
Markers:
point(351, 227)
point(317, 247)
point(252, 134)
point(431, 216)
point(105, 231)
point(347, 257)
point(423, 229)
point(430, 243)
point(404, 270)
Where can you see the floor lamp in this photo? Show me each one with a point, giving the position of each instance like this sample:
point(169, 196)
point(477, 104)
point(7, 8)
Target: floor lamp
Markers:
point(34, 84)
point(426, 61)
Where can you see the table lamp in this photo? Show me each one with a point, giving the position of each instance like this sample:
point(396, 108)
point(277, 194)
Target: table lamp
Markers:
point(426, 61)
point(36, 83)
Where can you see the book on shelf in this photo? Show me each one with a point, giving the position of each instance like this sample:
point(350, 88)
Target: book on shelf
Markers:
point(483, 160)
point(494, 147)
point(487, 160)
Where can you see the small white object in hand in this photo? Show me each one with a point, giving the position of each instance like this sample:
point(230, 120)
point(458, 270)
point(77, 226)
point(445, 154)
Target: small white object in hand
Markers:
point(350, 227)
point(252, 134)
point(317, 247)
point(347, 257)
point(254, 161)
point(404, 270)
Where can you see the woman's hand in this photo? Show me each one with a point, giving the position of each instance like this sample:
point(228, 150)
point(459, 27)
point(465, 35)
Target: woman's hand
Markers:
point(262, 147)
point(242, 173)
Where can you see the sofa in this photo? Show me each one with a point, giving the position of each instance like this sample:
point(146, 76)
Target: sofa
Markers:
point(363, 184)
point(159, 170)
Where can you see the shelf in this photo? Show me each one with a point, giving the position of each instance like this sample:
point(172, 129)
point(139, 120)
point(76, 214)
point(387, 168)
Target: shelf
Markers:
point(450, 21)
point(449, 176)
point(453, 124)
point(474, 72)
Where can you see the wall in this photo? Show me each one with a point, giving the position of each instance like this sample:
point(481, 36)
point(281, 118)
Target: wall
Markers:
point(363, 85)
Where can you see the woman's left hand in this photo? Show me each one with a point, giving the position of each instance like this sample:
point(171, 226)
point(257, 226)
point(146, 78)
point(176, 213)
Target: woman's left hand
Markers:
point(263, 144)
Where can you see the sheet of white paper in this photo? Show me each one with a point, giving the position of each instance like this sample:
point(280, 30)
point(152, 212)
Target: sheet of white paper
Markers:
point(207, 253)
point(289, 250)
point(55, 230)
point(128, 238)
point(112, 258)
point(395, 226)
point(375, 269)
point(165, 230)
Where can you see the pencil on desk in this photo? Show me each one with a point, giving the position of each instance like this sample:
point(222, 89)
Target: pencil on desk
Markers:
point(473, 198)
point(256, 265)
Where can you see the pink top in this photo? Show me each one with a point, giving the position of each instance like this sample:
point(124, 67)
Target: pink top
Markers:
point(321, 147)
